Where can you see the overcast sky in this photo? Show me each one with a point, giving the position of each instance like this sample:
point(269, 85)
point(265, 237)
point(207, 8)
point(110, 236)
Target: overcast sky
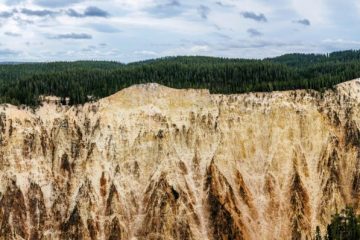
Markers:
point(131, 30)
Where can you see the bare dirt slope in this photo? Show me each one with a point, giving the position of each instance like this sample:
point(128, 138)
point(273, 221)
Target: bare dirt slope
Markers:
point(151, 162)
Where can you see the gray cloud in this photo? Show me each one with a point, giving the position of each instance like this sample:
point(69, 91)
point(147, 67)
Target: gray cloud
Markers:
point(14, 2)
point(55, 3)
point(89, 12)
point(222, 36)
point(254, 33)
point(203, 11)
point(6, 14)
point(256, 17)
point(73, 13)
point(38, 13)
point(76, 36)
point(305, 22)
point(95, 12)
point(168, 9)
point(256, 44)
point(89, 48)
point(8, 52)
point(21, 21)
point(221, 4)
point(12, 34)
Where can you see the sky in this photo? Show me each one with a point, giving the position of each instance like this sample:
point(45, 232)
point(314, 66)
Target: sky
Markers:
point(133, 30)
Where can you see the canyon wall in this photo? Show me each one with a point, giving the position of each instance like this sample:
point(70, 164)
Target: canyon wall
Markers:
point(151, 162)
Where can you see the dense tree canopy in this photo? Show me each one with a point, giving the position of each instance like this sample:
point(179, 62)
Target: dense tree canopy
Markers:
point(343, 226)
point(23, 83)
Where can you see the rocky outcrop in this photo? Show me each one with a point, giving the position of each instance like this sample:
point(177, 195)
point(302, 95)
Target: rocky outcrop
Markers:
point(152, 162)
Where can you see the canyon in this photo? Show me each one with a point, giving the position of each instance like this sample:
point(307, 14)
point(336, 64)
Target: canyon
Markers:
point(151, 162)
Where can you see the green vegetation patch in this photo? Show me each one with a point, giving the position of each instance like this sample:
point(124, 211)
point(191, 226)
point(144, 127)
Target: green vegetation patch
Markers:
point(24, 83)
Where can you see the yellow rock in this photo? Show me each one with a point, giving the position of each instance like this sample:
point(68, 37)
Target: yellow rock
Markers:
point(151, 162)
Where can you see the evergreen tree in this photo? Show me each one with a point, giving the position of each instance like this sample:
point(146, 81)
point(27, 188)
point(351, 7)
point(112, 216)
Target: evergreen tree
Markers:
point(344, 226)
point(24, 83)
point(318, 234)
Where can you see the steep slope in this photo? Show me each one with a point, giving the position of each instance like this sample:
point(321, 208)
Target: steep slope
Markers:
point(152, 162)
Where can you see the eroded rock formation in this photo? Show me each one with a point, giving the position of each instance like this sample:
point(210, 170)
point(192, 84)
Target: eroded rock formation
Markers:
point(152, 162)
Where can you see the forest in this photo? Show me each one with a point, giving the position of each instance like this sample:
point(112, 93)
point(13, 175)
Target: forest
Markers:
point(83, 81)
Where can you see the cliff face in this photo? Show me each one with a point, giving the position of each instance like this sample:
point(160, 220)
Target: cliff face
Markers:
point(152, 162)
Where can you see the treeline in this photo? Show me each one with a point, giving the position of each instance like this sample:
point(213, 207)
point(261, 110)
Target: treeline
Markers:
point(84, 80)
point(343, 226)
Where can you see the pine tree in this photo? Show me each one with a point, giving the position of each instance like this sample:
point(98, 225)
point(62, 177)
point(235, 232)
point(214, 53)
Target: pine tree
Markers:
point(318, 234)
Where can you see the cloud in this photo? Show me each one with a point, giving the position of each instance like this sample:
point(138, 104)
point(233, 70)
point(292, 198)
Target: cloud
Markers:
point(76, 36)
point(199, 48)
point(164, 10)
point(104, 28)
point(38, 13)
point(254, 33)
point(305, 22)
point(89, 12)
point(14, 2)
point(203, 11)
point(320, 11)
point(341, 41)
point(253, 16)
point(8, 52)
point(55, 3)
point(256, 44)
point(228, 28)
point(20, 21)
point(90, 48)
point(73, 13)
point(146, 53)
point(6, 14)
point(221, 4)
point(222, 36)
point(95, 12)
point(12, 34)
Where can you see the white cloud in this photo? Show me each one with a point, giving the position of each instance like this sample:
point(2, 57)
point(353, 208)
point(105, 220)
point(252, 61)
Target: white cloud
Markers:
point(341, 41)
point(133, 31)
point(199, 49)
point(146, 53)
point(315, 10)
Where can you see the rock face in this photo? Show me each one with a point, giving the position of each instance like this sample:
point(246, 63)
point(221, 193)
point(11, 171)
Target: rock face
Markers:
point(152, 162)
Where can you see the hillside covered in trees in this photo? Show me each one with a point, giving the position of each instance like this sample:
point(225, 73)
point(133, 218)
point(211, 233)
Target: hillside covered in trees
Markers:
point(24, 83)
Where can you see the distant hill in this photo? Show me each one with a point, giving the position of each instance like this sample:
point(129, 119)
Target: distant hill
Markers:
point(23, 83)
point(11, 63)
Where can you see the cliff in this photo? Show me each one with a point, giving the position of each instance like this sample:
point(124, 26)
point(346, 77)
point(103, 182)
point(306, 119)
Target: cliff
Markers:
point(151, 162)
